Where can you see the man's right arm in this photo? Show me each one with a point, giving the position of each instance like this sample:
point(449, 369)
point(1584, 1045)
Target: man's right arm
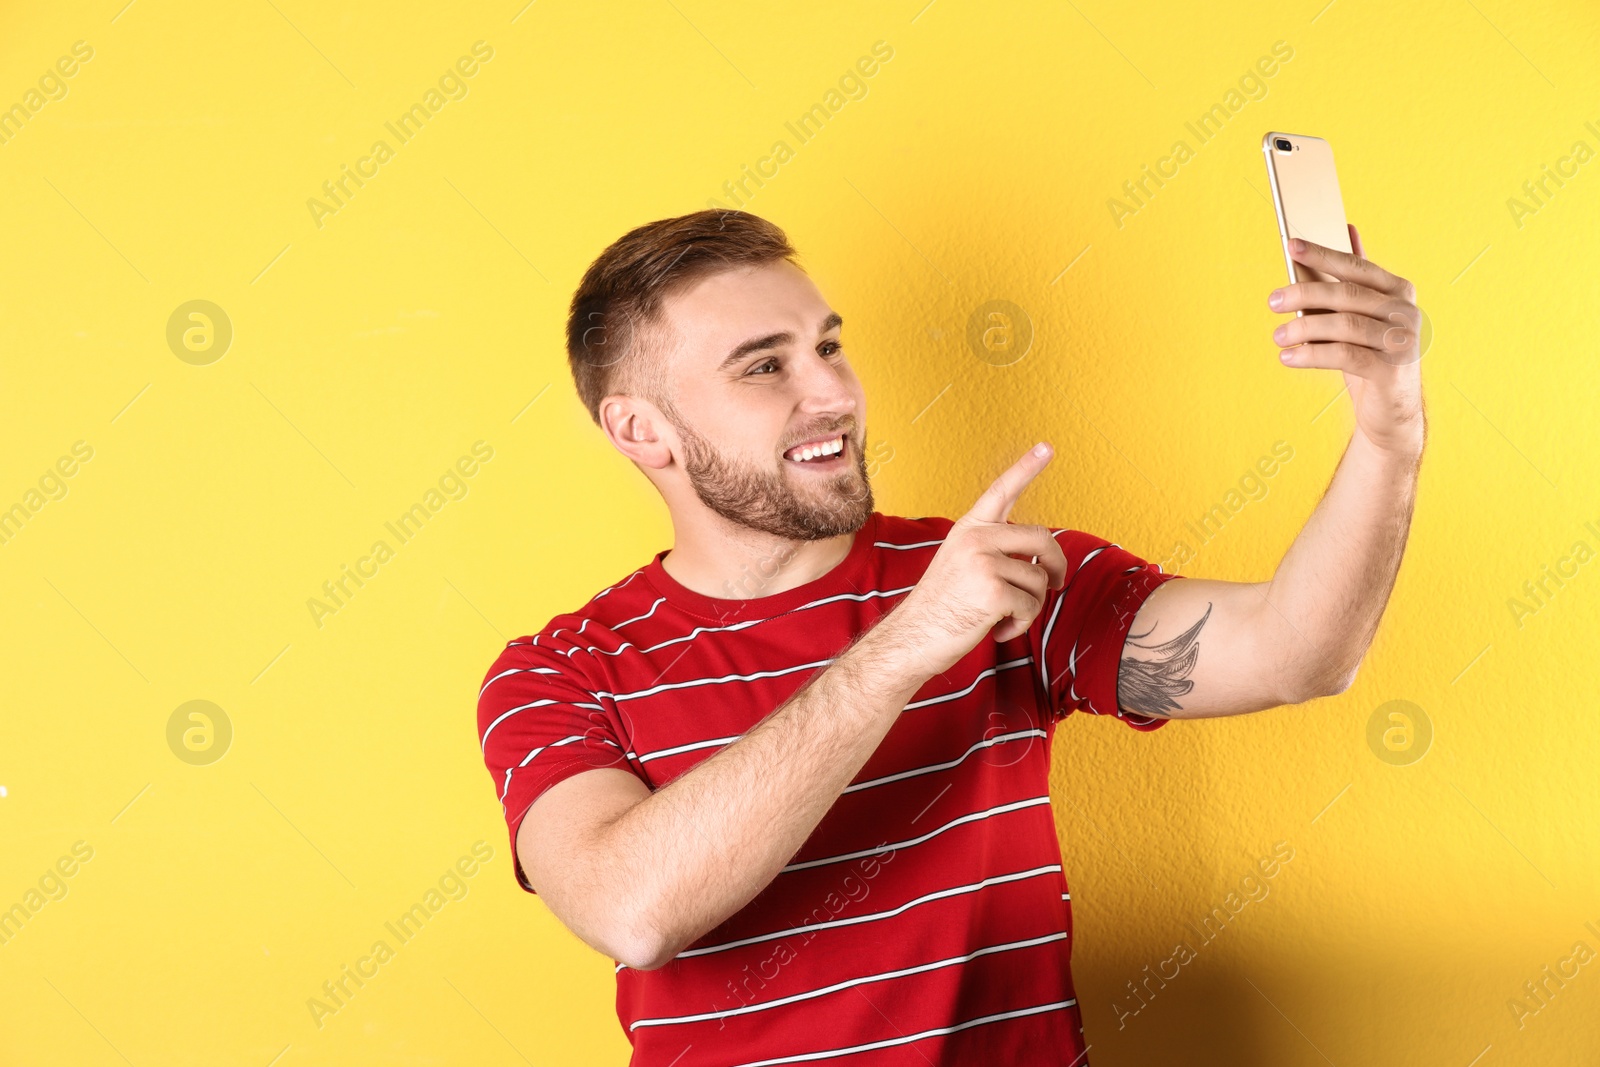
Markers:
point(641, 875)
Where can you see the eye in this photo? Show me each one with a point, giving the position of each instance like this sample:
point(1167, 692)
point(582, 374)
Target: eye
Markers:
point(837, 349)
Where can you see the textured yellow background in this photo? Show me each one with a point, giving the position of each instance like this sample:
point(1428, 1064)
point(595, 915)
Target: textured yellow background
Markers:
point(372, 351)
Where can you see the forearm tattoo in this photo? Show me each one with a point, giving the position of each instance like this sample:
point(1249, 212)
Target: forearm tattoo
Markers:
point(1152, 686)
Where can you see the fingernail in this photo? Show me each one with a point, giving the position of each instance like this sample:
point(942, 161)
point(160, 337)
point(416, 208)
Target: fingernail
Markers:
point(1281, 333)
point(1297, 245)
point(1276, 298)
point(1041, 450)
point(1286, 356)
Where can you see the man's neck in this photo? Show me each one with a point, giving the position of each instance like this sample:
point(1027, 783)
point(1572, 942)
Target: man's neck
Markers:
point(737, 563)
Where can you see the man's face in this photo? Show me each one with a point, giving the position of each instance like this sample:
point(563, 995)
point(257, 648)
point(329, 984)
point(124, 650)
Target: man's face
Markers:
point(757, 365)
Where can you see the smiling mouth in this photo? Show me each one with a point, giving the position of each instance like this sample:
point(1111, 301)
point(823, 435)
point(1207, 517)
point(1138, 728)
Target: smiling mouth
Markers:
point(824, 456)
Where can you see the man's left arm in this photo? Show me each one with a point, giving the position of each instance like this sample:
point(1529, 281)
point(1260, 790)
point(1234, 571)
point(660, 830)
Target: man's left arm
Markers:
point(1199, 647)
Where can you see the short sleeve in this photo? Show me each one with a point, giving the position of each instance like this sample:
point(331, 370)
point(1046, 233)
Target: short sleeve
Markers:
point(539, 722)
point(1077, 639)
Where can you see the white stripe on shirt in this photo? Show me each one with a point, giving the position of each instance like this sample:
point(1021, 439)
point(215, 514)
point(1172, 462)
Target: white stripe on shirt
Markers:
point(483, 742)
point(554, 744)
point(871, 917)
point(714, 742)
point(700, 630)
point(919, 544)
point(636, 618)
point(932, 767)
point(906, 1039)
point(715, 681)
point(517, 670)
point(1061, 598)
point(976, 816)
point(691, 747)
point(882, 976)
point(996, 669)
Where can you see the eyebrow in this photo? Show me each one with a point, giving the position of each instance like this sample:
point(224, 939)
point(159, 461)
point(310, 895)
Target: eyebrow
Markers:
point(776, 340)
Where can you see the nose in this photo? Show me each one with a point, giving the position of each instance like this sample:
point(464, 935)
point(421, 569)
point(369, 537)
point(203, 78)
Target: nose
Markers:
point(826, 388)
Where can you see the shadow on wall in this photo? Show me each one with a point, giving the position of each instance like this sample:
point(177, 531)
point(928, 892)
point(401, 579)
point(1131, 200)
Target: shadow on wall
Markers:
point(1264, 1006)
point(1210, 1016)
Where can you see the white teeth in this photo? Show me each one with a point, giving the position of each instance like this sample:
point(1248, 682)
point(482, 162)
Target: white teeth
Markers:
point(829, 448)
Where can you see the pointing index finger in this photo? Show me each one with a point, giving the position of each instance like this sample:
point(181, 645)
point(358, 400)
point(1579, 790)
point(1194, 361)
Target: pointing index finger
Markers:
point(995, 503)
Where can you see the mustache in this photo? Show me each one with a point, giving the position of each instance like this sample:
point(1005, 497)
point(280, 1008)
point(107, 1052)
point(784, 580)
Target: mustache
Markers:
point(848, 429)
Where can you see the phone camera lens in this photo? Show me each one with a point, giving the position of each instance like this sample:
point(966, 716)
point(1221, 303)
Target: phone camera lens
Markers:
point(1282, 144)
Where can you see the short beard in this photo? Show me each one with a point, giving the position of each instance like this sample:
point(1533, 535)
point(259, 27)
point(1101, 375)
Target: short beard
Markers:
point(765, 501)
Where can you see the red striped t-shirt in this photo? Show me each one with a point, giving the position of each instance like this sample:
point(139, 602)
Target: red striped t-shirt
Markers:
point(927, 918)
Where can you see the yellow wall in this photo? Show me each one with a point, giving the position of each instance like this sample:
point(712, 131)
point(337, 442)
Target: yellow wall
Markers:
point(373, 346)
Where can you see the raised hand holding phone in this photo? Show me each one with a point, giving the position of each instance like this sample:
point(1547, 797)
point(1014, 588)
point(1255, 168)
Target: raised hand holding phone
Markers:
point(1372, 337)
point(1350, 313)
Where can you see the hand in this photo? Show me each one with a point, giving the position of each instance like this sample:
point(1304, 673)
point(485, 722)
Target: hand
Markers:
point(1372, 337)
point(975, 580)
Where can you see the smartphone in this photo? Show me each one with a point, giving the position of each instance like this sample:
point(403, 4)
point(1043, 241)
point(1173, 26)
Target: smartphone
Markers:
point(1305, 193)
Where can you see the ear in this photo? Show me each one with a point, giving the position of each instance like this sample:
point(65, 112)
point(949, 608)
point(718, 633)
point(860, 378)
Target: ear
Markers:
point(638, 430)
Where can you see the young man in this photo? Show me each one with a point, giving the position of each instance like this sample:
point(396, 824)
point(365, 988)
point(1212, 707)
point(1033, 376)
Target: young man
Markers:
point(792, 774)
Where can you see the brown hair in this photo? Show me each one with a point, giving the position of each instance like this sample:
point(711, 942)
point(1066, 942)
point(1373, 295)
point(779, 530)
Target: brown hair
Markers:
point(623, 289)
